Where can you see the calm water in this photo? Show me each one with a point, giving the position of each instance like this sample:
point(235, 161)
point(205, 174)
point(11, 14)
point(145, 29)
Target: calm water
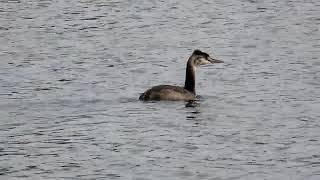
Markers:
point(71, 73)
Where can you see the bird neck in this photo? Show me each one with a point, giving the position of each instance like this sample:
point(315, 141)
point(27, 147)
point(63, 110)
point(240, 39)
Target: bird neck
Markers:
point(190, 78)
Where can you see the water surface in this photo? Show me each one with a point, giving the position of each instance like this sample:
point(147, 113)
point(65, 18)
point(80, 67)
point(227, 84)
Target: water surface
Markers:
point(71, 73)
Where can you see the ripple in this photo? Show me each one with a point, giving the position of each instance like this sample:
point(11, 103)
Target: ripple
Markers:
point(72, 72)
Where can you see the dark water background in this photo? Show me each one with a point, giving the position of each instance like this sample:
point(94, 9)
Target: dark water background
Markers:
point(71, 73)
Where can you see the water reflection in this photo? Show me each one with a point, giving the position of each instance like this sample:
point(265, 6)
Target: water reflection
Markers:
point(193, 110)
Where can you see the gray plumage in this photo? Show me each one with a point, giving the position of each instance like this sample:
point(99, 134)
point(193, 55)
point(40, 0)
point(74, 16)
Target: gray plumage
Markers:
point(167, 92)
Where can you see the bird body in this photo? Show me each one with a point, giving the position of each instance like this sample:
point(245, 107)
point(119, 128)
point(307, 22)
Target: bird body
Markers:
point(177, 93)
point(167, 92)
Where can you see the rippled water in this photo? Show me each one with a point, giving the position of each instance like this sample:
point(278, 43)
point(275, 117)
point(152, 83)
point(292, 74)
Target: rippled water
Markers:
point(71, 73)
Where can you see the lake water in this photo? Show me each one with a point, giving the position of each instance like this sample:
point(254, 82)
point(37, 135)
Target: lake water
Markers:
point(71, 73)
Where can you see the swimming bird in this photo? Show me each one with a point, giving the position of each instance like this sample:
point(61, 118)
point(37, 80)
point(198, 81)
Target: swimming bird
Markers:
point(177, 93)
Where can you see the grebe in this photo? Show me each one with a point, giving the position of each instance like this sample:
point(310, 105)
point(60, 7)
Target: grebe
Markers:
point(176, 93)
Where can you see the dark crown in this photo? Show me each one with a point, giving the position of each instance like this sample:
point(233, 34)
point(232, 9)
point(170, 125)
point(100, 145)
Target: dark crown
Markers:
point(200, 53)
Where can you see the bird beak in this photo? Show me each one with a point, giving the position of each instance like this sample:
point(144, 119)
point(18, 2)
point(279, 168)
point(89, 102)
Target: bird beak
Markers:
point(214, 60)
